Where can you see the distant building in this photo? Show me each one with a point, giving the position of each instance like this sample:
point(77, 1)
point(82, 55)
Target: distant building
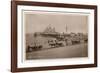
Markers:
point(50, 38)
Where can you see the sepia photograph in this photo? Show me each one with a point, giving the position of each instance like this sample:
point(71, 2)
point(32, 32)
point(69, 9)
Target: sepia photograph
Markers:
point(52, 36)
point(55, 35)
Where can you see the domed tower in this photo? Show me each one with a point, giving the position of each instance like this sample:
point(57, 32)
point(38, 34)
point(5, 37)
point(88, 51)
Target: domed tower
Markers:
point(49, 30)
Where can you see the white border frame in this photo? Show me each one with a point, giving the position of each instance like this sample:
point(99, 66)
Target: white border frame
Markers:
point(54, 62)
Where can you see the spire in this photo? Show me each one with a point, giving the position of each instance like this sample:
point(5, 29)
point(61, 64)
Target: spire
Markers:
point(66, 28)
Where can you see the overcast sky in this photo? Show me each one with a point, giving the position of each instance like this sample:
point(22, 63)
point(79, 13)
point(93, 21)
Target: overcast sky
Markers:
point(37, 22)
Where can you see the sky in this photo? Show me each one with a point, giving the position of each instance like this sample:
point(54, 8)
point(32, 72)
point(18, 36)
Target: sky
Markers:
point(38, 21)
